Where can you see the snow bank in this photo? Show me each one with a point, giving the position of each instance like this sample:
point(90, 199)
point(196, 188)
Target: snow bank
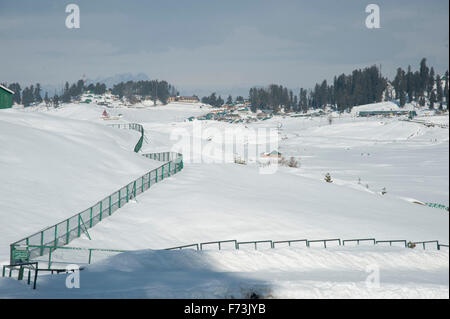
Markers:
point(280, 273)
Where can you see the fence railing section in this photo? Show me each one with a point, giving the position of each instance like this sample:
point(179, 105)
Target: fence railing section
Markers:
point(359, 240)
point(27, 271)
point(436, 205)
point(74, 255)
point(49, 239)
point(132, 126)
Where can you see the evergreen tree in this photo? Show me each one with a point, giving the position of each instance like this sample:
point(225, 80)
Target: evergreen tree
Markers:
point(46, 99)
point(229, 100)
point(15, 87)
point(37, 93)
point(66, 94)
point(424, 76)
point(430, 83)
point(439, 91)
point(402, 93)
point(27, 97)
point(446, 88)
point(55, 101)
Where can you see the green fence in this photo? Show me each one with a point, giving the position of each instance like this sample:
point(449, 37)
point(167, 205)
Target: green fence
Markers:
point(44, 242)
point(132, 126)
point(435, 205)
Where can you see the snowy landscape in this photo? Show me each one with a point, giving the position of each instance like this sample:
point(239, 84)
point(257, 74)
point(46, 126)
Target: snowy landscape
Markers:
point(79, 159)
point(227, 150)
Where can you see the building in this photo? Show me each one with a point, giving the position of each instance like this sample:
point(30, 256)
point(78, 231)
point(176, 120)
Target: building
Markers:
point(183, 99)
point(5, 97)
point(273, 154)
point(387, 113)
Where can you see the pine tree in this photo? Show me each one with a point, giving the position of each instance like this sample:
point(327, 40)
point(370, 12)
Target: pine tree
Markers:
point(66, 94)
point(15, 87)
point(430, 83)
point(439, 91)
point(446, 88)
point(37, 93)
point(55, 101)
point(424, 75)
point(46, 99)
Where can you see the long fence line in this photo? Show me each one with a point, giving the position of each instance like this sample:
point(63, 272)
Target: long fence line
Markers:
point(70, 255)
point(60, 234)
point(89, 253)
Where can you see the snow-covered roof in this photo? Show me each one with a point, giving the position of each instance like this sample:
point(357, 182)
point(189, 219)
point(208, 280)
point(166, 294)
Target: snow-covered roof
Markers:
point(6, 89)
point(383, 106)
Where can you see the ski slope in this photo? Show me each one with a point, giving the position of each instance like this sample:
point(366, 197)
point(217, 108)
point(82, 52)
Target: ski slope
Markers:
point(49, 158)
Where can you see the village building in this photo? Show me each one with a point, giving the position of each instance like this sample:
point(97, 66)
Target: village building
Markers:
point(183, 99)
point(6, 100)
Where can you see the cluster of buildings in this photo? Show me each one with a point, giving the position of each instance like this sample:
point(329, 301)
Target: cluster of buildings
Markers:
point(184, 99)
point(235, 114)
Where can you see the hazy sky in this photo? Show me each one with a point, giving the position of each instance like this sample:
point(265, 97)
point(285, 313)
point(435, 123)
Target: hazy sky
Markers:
point(206, 45)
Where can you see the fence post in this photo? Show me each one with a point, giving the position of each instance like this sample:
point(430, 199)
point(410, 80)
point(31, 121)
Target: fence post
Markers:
point(56, 235)
point(119, 197)
point(35, 277)
point(109, 205)
point(79, 225)
point(169, 168)
point(90, 222)
point(20, 276)
point(134, 189)
point(142, 184)
point(127, 193)
point(101, 210)
point(162, 175)
point(67, 231)
point(42, 243)
point(50, 258)
point(149, 179)
point(90, 255)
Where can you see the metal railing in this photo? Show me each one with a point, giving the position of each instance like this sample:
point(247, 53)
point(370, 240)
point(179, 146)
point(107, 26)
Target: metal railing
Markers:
point(44, 242)
point(20, 269)
point(132, 126)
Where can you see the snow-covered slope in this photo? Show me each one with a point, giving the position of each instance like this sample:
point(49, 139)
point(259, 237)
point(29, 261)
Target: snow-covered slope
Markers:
point(220, 202)
point(71, 147)
point(52, 168)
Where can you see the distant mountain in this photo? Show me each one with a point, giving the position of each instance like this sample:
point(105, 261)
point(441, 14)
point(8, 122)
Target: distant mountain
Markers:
point(123, 77)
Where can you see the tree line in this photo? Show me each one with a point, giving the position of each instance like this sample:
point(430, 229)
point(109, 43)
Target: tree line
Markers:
point(362, 86)
point(421, 85)
point(160, 90)
point(156, 90)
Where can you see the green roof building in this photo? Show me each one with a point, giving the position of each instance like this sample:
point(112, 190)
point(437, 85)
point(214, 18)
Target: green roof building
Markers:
point(5, 97)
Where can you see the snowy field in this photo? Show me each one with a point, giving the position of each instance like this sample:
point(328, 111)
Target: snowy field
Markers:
point(363, 272)
point(52, 157)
